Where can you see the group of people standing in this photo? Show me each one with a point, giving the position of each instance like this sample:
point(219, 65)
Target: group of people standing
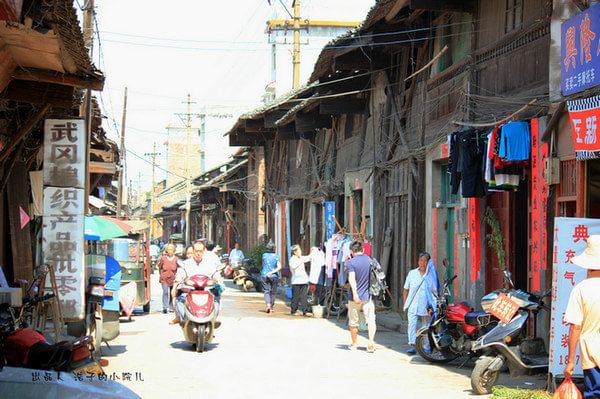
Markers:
point(271, 266)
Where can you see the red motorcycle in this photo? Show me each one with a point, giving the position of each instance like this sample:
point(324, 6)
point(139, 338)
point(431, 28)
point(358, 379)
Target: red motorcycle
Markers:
point(22, 346)
point(453, 328)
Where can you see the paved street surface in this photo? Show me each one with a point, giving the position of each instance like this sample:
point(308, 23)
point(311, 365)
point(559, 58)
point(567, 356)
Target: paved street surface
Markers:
point(255, 355)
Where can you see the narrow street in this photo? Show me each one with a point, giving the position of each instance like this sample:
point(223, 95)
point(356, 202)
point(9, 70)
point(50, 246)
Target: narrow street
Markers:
point(257, 355)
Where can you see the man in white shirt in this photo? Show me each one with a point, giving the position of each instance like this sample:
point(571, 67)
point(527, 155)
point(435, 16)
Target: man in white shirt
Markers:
point(583, 314)
point(416, 299)
point(197, 264)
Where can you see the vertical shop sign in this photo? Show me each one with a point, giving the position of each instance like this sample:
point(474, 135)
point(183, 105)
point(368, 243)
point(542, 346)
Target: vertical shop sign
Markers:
point(580, 39)
point(538, 203)
point(474, 237)
point(329, 219)
point(570, 235)
point(64, 200)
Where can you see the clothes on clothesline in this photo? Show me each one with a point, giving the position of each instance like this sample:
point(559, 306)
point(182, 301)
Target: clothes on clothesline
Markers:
point(467, 149)
point(488, 161)
point(338, 253)
point(317, 261)
point(515, 142)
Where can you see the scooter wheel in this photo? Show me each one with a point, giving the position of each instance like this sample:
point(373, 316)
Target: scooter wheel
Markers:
point(432, 355)
point(483, 379)
point(201, 339)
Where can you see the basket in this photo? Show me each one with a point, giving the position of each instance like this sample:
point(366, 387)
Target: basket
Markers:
point(317, 311)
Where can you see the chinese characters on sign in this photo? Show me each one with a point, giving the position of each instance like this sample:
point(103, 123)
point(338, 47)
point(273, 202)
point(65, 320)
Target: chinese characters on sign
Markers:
point(580, 51)
point(64, 153)
point(539, 200)
point(584, 115)
point(570, 235)
point(504, 308)
point(329, 219)
point(64, 199)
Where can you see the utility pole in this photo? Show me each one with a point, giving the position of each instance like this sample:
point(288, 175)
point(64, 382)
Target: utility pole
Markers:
point(296, 60)
point(85, 111)
point(188, 177)
point(152, 154)
point(123, 152)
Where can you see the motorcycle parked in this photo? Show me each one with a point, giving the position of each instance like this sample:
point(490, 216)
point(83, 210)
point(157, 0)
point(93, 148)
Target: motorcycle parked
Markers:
point(453, 328)
point(247, 275)
point(22, 346)
point(508, 344)
point(201, 311)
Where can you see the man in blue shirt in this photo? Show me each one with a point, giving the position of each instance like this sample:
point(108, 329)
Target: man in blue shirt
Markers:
point(359, 270)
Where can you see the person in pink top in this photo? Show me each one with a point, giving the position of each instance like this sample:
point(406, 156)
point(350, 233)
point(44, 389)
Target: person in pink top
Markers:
point(583, 314)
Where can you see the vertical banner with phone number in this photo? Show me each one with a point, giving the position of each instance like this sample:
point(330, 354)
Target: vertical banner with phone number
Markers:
point(570, 236)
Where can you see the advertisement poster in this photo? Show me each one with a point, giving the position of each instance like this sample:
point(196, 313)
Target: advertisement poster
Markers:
point(570, 235)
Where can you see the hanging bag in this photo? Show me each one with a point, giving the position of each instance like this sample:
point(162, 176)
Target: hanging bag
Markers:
point(567, 390)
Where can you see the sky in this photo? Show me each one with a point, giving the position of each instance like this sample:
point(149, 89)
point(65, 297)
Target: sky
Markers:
point(217, 51)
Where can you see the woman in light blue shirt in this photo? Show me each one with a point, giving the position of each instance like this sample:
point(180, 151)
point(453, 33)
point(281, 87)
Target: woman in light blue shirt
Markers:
point(271, 265)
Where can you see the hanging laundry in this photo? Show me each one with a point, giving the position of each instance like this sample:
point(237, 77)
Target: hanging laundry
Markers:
point(515, 142)
point(317, 261)
point(472, 149)
point(454, 163)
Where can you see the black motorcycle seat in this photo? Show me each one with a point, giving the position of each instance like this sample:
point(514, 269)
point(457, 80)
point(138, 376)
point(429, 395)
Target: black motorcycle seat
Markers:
point(478, 318)
point(44, 356)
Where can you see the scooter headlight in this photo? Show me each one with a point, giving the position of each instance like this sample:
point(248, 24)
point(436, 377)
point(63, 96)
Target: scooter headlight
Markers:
point(200, 300)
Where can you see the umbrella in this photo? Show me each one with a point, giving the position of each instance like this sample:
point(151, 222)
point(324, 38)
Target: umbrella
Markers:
point(99, 228)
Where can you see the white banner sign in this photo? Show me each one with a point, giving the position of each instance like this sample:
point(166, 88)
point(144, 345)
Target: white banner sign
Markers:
point(65, 148)
point(570, 235)
point(62, 236)
point(64, 153)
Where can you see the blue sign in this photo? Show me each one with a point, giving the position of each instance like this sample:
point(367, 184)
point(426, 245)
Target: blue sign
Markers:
point(329, 219)
point(580, 51)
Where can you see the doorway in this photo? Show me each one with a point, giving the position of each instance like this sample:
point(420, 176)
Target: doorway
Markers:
point(512, 212)
point(593, 188)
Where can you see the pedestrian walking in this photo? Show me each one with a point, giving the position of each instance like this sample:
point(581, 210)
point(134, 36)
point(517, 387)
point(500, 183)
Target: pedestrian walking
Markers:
point(417, 297)
point(583, 314)
point(299, 281)
point(359, 271)
point(167, 268)
point(271, 265)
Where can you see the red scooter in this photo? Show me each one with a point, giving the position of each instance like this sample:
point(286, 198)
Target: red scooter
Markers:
point(201, 311)
point(453, 328)
point(21, 346)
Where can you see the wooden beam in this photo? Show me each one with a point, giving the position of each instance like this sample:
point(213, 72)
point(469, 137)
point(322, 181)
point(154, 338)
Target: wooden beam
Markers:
point(287, 132)
point(254, 125)
point(337, 106)
point(311, 121)
point(24, 131)
point(443, 5)
point(273, 116)
point(18, 197)
point(395, 9)
point(44, 76)
point(353, 61)
point(39, 93)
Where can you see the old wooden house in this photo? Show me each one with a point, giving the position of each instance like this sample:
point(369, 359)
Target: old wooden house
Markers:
point(370, 132)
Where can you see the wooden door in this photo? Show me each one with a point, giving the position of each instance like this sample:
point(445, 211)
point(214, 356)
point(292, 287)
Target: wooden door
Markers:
point(500, 204)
